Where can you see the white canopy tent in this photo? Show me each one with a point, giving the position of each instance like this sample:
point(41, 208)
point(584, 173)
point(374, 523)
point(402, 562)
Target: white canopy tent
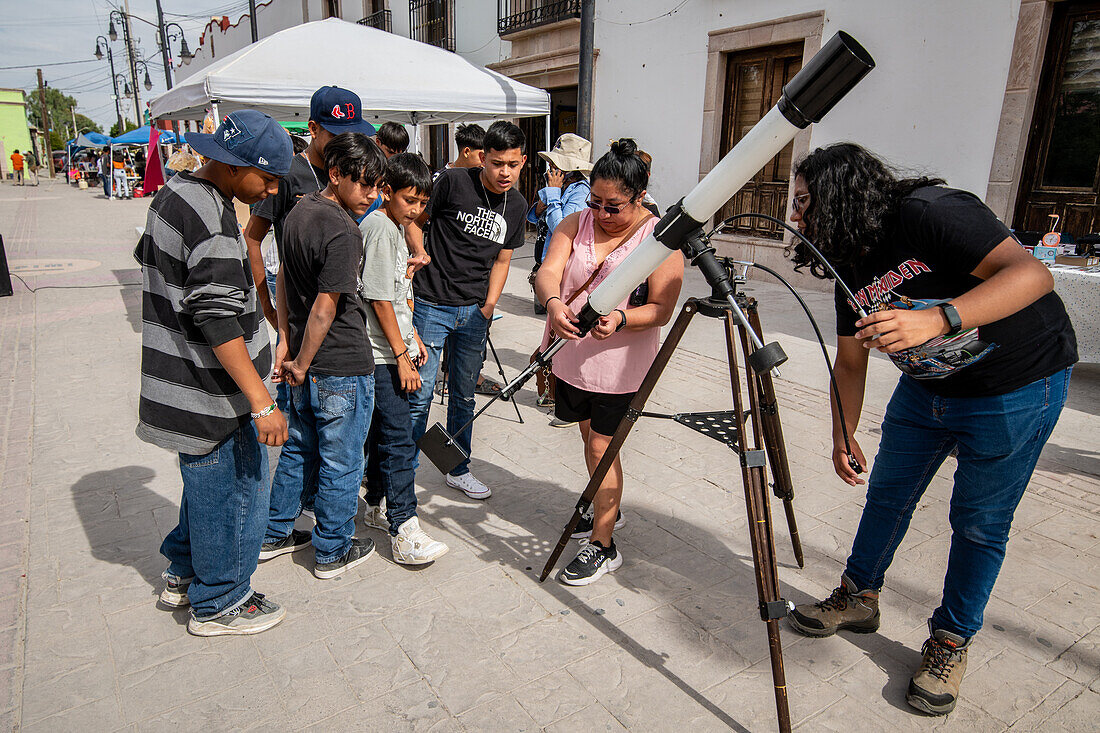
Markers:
point(398, 79)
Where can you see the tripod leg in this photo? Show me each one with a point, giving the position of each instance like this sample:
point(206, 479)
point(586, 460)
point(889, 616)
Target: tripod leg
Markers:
point(625, 425)
point(500, 371)
point(760, 531)
point(773, 441)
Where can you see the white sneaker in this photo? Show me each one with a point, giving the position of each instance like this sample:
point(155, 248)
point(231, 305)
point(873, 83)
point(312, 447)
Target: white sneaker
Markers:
point(413, 546)
point(557, 422)
point(470, 485)
point(375, 516)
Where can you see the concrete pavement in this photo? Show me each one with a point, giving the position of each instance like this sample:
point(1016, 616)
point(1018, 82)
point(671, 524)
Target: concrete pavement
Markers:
point(671, 641)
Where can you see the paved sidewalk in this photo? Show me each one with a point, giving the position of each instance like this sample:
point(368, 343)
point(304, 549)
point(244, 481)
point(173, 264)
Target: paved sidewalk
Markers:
point(671, 641)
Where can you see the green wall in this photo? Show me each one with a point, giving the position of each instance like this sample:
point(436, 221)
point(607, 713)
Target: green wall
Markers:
point(14, 133)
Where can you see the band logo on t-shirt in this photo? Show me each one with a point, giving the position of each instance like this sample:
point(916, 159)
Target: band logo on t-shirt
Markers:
point(880, 291)
point(485, 223)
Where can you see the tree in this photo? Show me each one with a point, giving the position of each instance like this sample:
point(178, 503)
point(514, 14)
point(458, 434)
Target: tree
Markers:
point(127, 126)
point(59, 106)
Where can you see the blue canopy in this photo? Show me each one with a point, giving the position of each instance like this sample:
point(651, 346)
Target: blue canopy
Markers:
point(89, 140)
point(140, 136)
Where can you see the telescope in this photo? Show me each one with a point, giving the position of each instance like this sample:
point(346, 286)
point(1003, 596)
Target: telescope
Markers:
point(807, 98)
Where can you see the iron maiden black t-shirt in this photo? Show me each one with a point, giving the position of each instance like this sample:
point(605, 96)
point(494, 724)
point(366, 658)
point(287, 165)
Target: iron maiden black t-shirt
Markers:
point(468, 226)
point(939, 238)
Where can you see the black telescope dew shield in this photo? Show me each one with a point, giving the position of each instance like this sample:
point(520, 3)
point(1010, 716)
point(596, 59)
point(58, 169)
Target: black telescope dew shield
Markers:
point(816, 89)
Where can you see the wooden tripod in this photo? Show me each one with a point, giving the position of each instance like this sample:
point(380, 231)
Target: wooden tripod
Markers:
point(766, 446)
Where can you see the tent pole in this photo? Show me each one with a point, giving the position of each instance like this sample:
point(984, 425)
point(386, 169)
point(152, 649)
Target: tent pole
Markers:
point(547, 148)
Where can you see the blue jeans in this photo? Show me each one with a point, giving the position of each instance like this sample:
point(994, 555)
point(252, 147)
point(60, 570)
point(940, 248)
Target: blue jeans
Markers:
point(106, 186)
point(462, 328)
point(998, 440)
point(221, 526)
point(280, 387)
point(328, 420)
point(391, 450)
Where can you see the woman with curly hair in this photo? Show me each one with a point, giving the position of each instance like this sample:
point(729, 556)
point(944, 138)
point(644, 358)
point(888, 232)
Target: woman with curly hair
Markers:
point(598, 376)
point(985, 348)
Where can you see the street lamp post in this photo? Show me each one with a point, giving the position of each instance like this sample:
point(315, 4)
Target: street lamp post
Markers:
point(100, 44)
point(128, 40)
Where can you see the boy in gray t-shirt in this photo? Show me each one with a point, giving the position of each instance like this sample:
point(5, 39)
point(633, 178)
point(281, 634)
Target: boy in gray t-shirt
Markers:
point(386, 288)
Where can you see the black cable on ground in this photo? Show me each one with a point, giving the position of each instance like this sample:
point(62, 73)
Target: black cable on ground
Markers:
point(72, 287)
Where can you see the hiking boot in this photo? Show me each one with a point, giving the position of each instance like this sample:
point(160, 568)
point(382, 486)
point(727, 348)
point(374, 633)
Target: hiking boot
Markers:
point(934, 689)
point(297, 539)
point(847, 608)
point(357, 553)
point(174, 594)
point(584, 527)
point(413, 546)
point(253, 616)
point(375, 517)
point(592, 563)
point(469, 485)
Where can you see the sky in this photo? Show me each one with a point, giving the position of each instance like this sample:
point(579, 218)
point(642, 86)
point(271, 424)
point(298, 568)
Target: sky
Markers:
point(39, 32)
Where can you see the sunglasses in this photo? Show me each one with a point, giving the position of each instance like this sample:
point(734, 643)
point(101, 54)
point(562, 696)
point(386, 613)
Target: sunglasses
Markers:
point(800, 203)
point(612, 210)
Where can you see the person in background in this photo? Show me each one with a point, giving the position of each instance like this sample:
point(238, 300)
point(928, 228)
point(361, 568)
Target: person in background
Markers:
point(31, 159)
point(468, 139)
point(565, 193)
point(204, 361)
point(387, 290)
point(475, 221)
point(330, 370)
point(598, 376)
point(648, 201)
point(17, 167)
point(103, 167)
point(393, 138)
point(936, 270)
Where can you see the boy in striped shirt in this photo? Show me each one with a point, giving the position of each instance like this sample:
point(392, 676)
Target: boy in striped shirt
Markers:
point(204, 361)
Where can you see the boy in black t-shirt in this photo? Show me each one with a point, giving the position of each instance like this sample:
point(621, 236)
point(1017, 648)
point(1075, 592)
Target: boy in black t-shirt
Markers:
point(330, 370)
point(986, 349)
point(475, 220)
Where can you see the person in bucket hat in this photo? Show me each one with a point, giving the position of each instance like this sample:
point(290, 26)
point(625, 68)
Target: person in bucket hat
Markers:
point(204, 361)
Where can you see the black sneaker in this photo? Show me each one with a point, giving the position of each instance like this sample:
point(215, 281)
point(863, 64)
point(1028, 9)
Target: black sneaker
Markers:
point(593, 561)
point(251, 617)
point(359, 551)
point(174, 594)
point(296, 540)
point(584, 527)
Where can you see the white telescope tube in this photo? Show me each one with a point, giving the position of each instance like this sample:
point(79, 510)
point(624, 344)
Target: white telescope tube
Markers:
point(737, 167)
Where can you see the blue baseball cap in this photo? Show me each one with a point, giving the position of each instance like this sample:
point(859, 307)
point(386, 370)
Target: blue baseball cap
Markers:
point(339, 110)
point(247, 138)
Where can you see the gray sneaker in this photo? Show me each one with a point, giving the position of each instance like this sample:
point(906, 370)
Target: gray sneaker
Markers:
point(357, 553)
point(174, 594)
point(934, 688)
point(375, 517)
point(251, 617)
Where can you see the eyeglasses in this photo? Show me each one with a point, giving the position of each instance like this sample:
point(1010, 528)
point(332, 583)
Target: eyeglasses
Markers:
point(800, 203)
point(612, 210)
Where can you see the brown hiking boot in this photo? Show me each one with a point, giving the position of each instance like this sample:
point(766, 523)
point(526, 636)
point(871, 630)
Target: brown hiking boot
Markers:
point(934, 689)
point(847, 608)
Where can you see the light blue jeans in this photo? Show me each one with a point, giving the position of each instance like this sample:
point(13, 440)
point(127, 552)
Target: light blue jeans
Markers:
point(222, 517)
point(998, 440)
point(328, 420)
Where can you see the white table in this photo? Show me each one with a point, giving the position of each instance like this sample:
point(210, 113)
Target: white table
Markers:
point(1079, 289)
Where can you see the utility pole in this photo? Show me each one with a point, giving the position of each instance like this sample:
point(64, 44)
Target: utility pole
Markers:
point(584, 69)
point(45, 121)
point(252, 20)
point(164, 47)
point(128, 37)
point(76, 131)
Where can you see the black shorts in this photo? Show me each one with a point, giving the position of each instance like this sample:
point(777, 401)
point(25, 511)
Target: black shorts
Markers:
point(574, 404)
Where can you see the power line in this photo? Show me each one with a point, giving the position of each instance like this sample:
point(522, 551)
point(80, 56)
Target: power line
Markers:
point(648, 20)
point(56, 63)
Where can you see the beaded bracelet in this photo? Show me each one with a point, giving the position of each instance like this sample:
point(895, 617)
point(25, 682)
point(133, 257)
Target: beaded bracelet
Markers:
point(264, 412)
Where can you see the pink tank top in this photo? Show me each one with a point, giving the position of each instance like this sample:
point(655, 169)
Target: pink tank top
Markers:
point(617, 364)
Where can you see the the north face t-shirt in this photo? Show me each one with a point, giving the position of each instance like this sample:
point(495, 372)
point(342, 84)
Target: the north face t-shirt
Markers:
point(301, 179)
point(939, 237)
point(467, 228)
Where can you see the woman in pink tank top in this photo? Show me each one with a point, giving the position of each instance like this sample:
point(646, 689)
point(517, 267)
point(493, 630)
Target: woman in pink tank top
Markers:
point(598, 375)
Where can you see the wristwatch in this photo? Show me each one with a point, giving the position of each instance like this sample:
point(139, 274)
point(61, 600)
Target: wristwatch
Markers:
point(954, 322)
